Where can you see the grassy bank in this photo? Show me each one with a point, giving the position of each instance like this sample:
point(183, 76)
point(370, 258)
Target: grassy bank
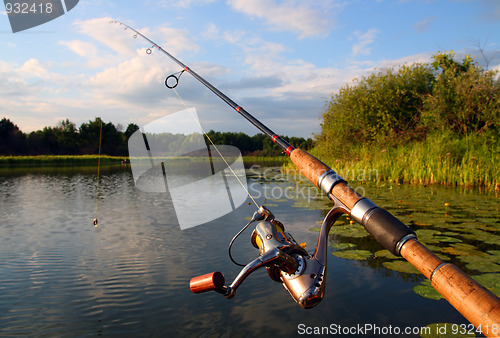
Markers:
point(90, 160)
point(63, 160)
point(440, 159)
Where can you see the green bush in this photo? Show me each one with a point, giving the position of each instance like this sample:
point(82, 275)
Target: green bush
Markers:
point(383, 108)
point(465, 99)
point(423, 123)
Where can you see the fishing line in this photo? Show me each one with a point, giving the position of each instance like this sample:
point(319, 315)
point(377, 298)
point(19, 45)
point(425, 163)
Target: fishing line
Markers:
point(97, 184)
point(215, 147)
point(176, 78)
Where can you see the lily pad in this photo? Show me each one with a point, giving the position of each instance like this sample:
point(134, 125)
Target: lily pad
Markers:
point(494, 253)
point(457, 226)
point(485, 263)
point(451, 233)
point(443, 257)
point(483, 236)
point(430, 236)
point(385, 254)
point(433, 248)
point(401, 266)
point(444, 330)
point(342, 246)
point(491, 281)
point(427, 235)
point(425, 290)
point(484, 267)
point(353, 231)
point(447, 239)
point(421, 224)
point(478, 259)
point(353, 254)
point(462, 250)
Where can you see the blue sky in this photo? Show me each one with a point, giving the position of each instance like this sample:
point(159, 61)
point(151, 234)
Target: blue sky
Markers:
point(279, 59)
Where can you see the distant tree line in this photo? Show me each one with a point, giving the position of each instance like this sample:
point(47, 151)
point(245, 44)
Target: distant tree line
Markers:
point(67, 139)
point(259, 144)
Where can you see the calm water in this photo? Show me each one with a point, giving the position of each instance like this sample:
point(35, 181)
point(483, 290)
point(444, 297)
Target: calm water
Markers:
point(61, 276)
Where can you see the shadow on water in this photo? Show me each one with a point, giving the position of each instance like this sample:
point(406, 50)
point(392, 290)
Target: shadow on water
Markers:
point(60, 275)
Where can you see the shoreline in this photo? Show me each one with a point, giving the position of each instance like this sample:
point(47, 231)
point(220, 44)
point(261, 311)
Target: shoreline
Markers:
point(384, 171)
point(92, 160)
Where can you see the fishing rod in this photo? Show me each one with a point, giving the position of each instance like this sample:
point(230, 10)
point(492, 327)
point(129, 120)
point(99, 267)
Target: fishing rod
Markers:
point(304, 275)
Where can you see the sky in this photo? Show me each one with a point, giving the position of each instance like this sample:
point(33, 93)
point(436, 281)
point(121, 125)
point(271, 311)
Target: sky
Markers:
point(279, 59)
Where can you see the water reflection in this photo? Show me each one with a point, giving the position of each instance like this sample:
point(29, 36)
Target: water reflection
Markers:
point(61, 276)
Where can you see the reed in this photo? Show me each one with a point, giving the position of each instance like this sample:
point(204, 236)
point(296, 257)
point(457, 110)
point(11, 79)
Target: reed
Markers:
point(441, 159)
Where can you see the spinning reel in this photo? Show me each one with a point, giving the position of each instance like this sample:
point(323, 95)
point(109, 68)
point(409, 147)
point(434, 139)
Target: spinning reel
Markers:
point(303, 275)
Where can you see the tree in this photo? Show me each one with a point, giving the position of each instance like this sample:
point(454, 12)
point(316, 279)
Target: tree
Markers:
point(465, 98)
point(12, 140)
point(89, 136)
point(67, 138)
point(382, 108)
point(112, 141)
point(131, 128)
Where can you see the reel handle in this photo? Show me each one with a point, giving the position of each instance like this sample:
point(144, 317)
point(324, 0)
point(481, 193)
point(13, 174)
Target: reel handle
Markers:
point(213, 281)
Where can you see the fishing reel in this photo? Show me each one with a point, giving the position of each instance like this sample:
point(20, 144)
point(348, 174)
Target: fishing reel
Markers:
point(287, 262)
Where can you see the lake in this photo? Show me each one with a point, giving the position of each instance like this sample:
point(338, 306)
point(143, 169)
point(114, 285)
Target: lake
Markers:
point(129, 276)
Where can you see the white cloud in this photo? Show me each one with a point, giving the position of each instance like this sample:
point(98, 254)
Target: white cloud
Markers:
point(109, 34)
point(177, 40)
point(234, 36)
point(32, 91)
point(364, 41)
point(211, 32)
point(423, 26)
point(128, 80)
point(81, 48)
point(294, 89)
point(33, 69)
point(117, 45)
point(182, 3)
point(289, 15)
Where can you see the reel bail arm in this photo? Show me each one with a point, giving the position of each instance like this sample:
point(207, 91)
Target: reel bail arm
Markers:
point(215, 281)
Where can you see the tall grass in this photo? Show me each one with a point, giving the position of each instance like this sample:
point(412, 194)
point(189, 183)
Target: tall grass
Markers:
point(440, 159)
